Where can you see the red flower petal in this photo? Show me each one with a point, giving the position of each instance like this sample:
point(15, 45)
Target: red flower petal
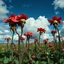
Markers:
point(22, 16)
point(8, 38)
point(59, 20)
point(13, 18)
point(54, 18)
point(50, 21)
point(46, 40)
point(53, 31)
point(50, 45)
point(41, 29)
point(22, 38)
point(6, 20)
point(30, 34)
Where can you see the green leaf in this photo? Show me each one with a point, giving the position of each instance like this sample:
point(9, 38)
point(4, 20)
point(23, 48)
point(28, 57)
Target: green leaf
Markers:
point(16, 61)
point(10, 59)
point(37, 62)
point(1, 59)
point(5, 60)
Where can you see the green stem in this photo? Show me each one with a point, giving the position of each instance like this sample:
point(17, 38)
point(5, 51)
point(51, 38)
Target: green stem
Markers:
point(12, 45)
point(20, 61)
point(19, 52)
point(59, 43)
point(55, 43)
point(35, 46)
point(26, 42)
point(22, 44)
point(45, 47)
point(7, 45)
point(39, 39)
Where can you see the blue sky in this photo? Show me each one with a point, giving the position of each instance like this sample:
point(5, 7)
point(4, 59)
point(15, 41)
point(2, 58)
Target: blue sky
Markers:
point(38, 12)
point(34, 8)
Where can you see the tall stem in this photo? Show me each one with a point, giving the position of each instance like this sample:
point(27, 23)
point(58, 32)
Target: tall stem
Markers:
point(45, 48)
point(22, 44)
point(39, 39)
point(26, 42)
point(12, 45)
point(55, 43)
point(59, 43)
point(7, 44)
point(19, 52)
point(35, 45)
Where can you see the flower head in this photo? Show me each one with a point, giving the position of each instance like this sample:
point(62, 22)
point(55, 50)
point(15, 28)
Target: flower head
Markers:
point(46, 41)
point(33, 57)
point(22, 19)
point(55, 21)
point(12, 18)
point(29, 34)
point(53, 32)
point(8, 38)
point(36, 40)
point(22, 38)
point(50, 45)
point(22, 16)
point(41, 29)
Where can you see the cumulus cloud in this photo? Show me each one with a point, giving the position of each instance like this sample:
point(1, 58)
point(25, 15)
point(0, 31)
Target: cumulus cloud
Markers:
point(62, 31)
point(58, 4)
point(3, 27)
point(3, 10)
point(32, 25)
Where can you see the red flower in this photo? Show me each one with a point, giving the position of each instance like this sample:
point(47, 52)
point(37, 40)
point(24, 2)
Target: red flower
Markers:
point(46, 40)
point(33, 57)
point(22, 19)
point(29, 34)
point(22, 16)
point(8, 38)
point(53, 32)
point(22, 38)
point(55, 19)
point(12, 18)
point(50, 45)
point(41, 29)
point(36, 40)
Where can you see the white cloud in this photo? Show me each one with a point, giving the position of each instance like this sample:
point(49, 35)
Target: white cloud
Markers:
point(32, 25)
point(62, 31)
point(16, 37)
point(3, 10)
point(6, 31)
point(58, 4)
